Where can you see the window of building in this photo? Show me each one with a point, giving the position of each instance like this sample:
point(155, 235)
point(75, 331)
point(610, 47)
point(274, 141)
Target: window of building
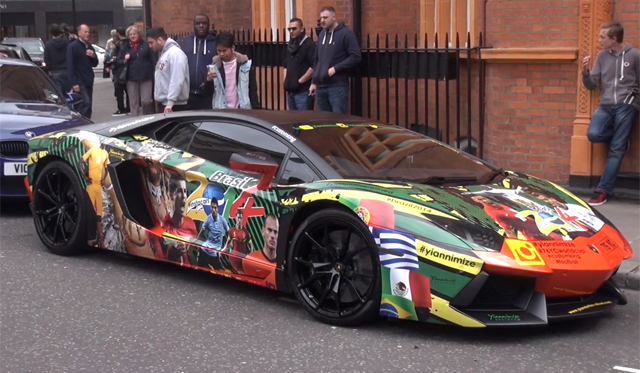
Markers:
point(274, 15)
point(455, 17)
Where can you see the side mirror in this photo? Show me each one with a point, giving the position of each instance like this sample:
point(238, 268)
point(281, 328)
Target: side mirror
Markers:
point(256, 162)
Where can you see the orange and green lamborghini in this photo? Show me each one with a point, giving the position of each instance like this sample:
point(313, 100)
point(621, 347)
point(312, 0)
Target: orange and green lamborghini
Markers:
point(357, 219)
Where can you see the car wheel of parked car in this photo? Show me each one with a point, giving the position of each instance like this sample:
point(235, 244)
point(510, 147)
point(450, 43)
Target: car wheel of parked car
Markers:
point(59, 217)
point(334, 269)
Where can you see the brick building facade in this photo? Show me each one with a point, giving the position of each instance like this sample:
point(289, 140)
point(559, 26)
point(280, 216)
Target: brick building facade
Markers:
point(535, 109)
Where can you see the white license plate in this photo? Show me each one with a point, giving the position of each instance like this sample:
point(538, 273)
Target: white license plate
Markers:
point(15, 169)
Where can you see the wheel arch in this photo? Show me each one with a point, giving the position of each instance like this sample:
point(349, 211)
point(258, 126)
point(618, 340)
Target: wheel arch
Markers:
point(90, 215)
point(297, 219)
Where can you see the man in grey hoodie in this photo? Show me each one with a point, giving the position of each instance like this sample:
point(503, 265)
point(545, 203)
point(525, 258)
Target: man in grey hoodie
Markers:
point(616, 70)
point(171, 87)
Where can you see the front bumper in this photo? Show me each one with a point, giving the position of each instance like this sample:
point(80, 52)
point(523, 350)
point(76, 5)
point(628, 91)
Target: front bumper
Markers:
point(12, 178)
point(497, 301)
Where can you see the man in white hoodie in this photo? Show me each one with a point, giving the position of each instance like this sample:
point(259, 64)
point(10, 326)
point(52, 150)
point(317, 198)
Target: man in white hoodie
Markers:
point(171, 89)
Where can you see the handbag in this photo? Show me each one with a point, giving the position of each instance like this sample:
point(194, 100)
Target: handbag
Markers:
point(121, 74)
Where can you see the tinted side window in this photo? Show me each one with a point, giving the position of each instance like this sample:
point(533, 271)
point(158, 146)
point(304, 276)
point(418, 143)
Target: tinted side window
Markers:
point(181, 135)
point(219, 141)
point(296, 171)
point(22, 83)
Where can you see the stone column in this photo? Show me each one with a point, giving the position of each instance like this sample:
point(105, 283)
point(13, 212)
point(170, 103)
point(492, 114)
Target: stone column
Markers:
point(587, 159)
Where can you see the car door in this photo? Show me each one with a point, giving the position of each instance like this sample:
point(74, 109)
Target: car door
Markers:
point(233, 225)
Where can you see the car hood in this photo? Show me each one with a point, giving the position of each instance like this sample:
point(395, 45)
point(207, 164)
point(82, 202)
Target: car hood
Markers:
point(520, 225)
point(38, 118)
point(520, 207)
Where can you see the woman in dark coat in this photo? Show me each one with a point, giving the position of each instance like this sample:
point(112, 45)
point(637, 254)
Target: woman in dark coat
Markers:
point(140, 61)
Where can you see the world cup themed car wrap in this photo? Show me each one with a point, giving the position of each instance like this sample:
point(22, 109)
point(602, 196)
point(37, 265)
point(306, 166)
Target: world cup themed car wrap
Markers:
point(524, 251)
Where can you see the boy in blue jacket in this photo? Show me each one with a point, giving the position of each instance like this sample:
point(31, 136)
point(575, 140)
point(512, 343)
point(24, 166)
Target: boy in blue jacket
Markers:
point(200, 48)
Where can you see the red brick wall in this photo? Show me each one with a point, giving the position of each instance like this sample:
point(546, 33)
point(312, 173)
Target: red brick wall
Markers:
point(530, 110)
point(177, 16)
point(398, 17)
point(530, 107)
point(311, 10)
point(628, 12)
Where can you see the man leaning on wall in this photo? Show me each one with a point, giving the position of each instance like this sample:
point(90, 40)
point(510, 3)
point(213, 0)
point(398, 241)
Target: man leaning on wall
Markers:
point(616, 70)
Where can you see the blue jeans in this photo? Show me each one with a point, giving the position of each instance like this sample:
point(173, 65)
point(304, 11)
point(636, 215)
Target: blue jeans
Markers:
point(62, 81)
point(612, 125)
point(86, 106)
point(300, 101)
point(333, 99)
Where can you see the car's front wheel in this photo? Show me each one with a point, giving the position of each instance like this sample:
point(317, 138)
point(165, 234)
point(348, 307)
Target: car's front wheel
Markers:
point(58, 210)
point(334, 269)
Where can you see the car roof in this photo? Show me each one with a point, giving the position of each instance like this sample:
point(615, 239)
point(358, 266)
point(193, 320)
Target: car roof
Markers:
point(16, 62)
point(20, 38)
point(285, 119)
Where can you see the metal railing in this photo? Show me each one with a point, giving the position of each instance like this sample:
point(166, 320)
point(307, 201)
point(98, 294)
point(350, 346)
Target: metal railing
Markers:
point(403, 80)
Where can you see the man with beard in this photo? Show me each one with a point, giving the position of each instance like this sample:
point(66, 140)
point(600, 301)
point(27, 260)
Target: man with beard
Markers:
point(176, 224)
point(337, 54)
point(200, 48)
point(298, 67)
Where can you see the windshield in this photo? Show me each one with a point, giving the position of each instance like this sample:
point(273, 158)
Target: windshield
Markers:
point(27, 84)
point(375, 151)
point(31, 46)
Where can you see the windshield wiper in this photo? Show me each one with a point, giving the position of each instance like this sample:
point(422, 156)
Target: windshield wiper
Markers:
point(447, 179)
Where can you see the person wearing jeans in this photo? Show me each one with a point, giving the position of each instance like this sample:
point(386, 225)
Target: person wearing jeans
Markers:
point(55, 58)
point(298, 67)
point(337, 53)
point(81, 59)
point(616, 70)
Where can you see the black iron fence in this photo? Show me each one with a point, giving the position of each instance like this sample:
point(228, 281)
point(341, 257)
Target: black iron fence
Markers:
point(413, 83)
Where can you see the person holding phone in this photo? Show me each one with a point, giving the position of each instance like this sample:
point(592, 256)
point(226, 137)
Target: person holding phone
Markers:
point(616, 70)
point(233, 76)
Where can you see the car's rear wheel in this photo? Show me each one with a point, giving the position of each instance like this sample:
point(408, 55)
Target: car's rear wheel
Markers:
point(334, 268)
point(58, 210)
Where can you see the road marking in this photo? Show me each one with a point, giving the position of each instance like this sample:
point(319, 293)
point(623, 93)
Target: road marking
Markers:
point(631, 370)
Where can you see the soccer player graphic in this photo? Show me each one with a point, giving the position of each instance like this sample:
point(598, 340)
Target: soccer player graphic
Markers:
point(96, 160)
point(177, 224)
point(215, 227)
point(262, 263)
point(238, 243)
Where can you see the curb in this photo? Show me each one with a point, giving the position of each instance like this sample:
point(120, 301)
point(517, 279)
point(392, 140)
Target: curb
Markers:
point(629, 280)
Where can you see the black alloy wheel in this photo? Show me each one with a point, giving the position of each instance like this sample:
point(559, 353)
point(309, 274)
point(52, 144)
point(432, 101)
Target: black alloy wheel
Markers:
point(334, 268)
point(58, 209)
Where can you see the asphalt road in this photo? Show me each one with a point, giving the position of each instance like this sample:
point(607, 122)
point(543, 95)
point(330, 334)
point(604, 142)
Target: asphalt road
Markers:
point(104, 313)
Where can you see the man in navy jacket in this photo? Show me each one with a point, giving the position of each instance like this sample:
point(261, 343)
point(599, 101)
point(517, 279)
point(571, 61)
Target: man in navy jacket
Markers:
point(337, 53)
point(81, 59)
point(200, 48)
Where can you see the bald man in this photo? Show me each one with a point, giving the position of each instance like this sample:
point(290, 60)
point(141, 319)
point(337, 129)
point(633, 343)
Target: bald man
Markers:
point(81, 59)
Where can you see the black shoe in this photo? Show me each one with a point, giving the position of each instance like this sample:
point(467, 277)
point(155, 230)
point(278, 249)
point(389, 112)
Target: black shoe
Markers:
point(119, 113)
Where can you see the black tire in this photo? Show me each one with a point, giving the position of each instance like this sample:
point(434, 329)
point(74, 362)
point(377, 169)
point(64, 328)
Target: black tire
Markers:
point(58, 210)
point(313, 270)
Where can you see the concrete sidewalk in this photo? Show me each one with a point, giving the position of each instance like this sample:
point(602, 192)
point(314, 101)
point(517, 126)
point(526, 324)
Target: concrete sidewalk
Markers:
point(625, 215)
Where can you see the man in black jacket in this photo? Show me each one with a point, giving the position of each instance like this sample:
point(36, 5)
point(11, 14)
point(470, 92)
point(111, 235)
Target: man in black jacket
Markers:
point(55, 58)
point(337, 54)
point(298, 67)
point(81, 59)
